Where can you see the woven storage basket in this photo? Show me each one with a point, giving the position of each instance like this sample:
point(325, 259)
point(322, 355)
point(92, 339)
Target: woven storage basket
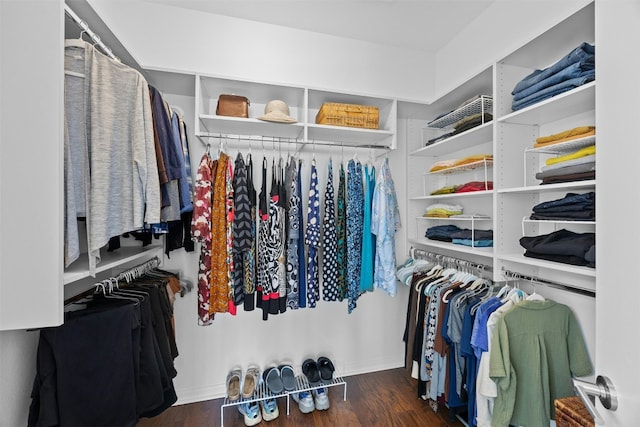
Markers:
point(351, 115)
point(571, 412)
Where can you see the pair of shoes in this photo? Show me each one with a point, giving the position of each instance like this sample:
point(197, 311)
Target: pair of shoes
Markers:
point(251, 413)
point(319, 371)
point(308, 401)
point(233, 384)
point(251, 381)
point(280, 378)
point(269, 409)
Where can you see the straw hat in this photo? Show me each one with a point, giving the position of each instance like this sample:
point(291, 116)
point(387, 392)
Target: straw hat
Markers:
point(277, 111)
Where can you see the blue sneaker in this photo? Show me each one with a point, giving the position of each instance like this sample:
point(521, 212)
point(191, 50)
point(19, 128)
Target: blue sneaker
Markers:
point(269, 409)
point(251, 412)
point(305, 401)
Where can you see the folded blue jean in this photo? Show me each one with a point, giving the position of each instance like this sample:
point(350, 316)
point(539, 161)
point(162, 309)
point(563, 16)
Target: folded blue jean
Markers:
point(577, 69)
point(474, 243)
point(441, 232)
point(473, 234)
point(584, 51)
point(554, 90)
point(571, 201)
point(561, 242)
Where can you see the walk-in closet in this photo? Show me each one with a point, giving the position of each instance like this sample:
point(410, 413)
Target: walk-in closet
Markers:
point(188, 225)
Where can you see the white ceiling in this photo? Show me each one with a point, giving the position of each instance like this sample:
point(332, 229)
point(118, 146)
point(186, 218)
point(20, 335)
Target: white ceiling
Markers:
point(425, 25)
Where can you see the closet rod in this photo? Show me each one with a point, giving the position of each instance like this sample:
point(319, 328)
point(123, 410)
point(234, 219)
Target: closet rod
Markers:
point(569, 288)
point(422, 254)
point(278, 140)
point(85, 28)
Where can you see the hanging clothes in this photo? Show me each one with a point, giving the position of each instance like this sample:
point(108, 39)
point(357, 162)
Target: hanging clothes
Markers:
point(201, 233)
point(312, 237)
point(368, 244)
point(242, 228)
point(293, 234)
point(103, 135)
point(302, 259)
point(282, 239)
point(219, 266)
point(229, 198)
point(385, 222)
point(249, 259)
point(274, 243)
point(355, 202)
point(264, 283)
point(329, 242)
point(341, 235)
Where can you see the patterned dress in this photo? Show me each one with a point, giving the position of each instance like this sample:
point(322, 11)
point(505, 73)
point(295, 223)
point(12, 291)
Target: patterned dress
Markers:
point(355, 203)
point(219, 265)
point(242, 228)
point(302, 259)
point(329, 244)
point(293, 234)
point(249, 260)
point(273, 248)
point(312, 237)
point(264, 285)
point(229, 205)
point(341, 236)
point(201, 232)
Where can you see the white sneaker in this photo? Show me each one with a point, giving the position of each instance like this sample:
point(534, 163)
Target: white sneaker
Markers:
point(321, 399)
point(269, 409)
point(251, 412)
point(305, 401)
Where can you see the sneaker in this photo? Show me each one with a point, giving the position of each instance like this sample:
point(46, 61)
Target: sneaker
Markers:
point(251, 412)
point(269, 409)
point(305, 401)
point(321, 399)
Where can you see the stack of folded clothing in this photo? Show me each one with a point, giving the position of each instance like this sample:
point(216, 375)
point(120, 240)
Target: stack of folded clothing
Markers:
point(562, 246)
point(572, 207)
point(447, 189)
point(579, 165)
point(564, 136)
point(443, 165)
point(571, 71)
point(474, 115)
point(475, 186)
point(453, 234)
point(471, 121)
point(442, 210)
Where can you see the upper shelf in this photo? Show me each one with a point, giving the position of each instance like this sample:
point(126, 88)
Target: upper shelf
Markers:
point(303, 104)
point(483, 104)
point(470, 138)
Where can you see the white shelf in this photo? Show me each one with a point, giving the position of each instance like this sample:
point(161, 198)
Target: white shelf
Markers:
point(484, 193)
point(454, 219)
point(109, 260)
point(541, 263)
point(484, 104)
point(577, 185)
point(573, 102)
point(242, 126)
point(349, 135)
point(484, 252)
point(486, 163)
point(461, 141)
point(565, 147)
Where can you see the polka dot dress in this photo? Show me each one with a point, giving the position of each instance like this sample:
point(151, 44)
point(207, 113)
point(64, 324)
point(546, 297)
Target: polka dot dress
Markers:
point(329, 254)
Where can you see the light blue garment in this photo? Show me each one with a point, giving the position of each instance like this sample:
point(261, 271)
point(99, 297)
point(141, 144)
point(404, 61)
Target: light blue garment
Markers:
point(582, 52)
point(186, 205)
point(578, 69)
point(474, 243)
point(554, 90)
point(366, 267)
point(385, 221)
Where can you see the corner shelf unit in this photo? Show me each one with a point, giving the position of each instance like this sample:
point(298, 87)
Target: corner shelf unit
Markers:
point(304, 103)
point(510, 138)
point(262, 393)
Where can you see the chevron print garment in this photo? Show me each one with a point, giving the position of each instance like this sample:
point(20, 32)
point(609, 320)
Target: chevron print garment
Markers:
point(201, 232)
point(242, 228)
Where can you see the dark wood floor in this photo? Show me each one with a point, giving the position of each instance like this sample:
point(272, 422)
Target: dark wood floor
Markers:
point(385, 398)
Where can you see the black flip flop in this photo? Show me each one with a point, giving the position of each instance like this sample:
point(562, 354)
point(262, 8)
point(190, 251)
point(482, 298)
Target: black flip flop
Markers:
point(326, 368)
point(311, 370)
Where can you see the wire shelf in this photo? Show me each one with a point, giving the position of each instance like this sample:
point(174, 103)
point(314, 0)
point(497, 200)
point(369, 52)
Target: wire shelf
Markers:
point(484, 104)
point(466, 167)
point(565, 147)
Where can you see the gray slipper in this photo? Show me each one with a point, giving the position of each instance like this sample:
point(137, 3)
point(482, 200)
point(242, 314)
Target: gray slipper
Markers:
point(288, 377)
point(273, 380)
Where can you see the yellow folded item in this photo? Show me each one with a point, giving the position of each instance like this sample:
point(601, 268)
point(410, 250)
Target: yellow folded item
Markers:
point(565, 134)
point(569, 138)
point(442, 164)
point(472, 159)
point(586, 151)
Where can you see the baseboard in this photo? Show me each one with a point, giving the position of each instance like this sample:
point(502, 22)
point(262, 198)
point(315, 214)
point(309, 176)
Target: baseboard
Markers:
point(217, 391)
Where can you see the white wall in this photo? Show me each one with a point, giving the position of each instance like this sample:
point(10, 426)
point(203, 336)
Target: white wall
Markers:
point(165, 37)
point(501, 28)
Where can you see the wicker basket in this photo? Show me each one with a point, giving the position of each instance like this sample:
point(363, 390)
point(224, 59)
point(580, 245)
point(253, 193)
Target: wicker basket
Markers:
point(571, 412)
point(351, 115)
